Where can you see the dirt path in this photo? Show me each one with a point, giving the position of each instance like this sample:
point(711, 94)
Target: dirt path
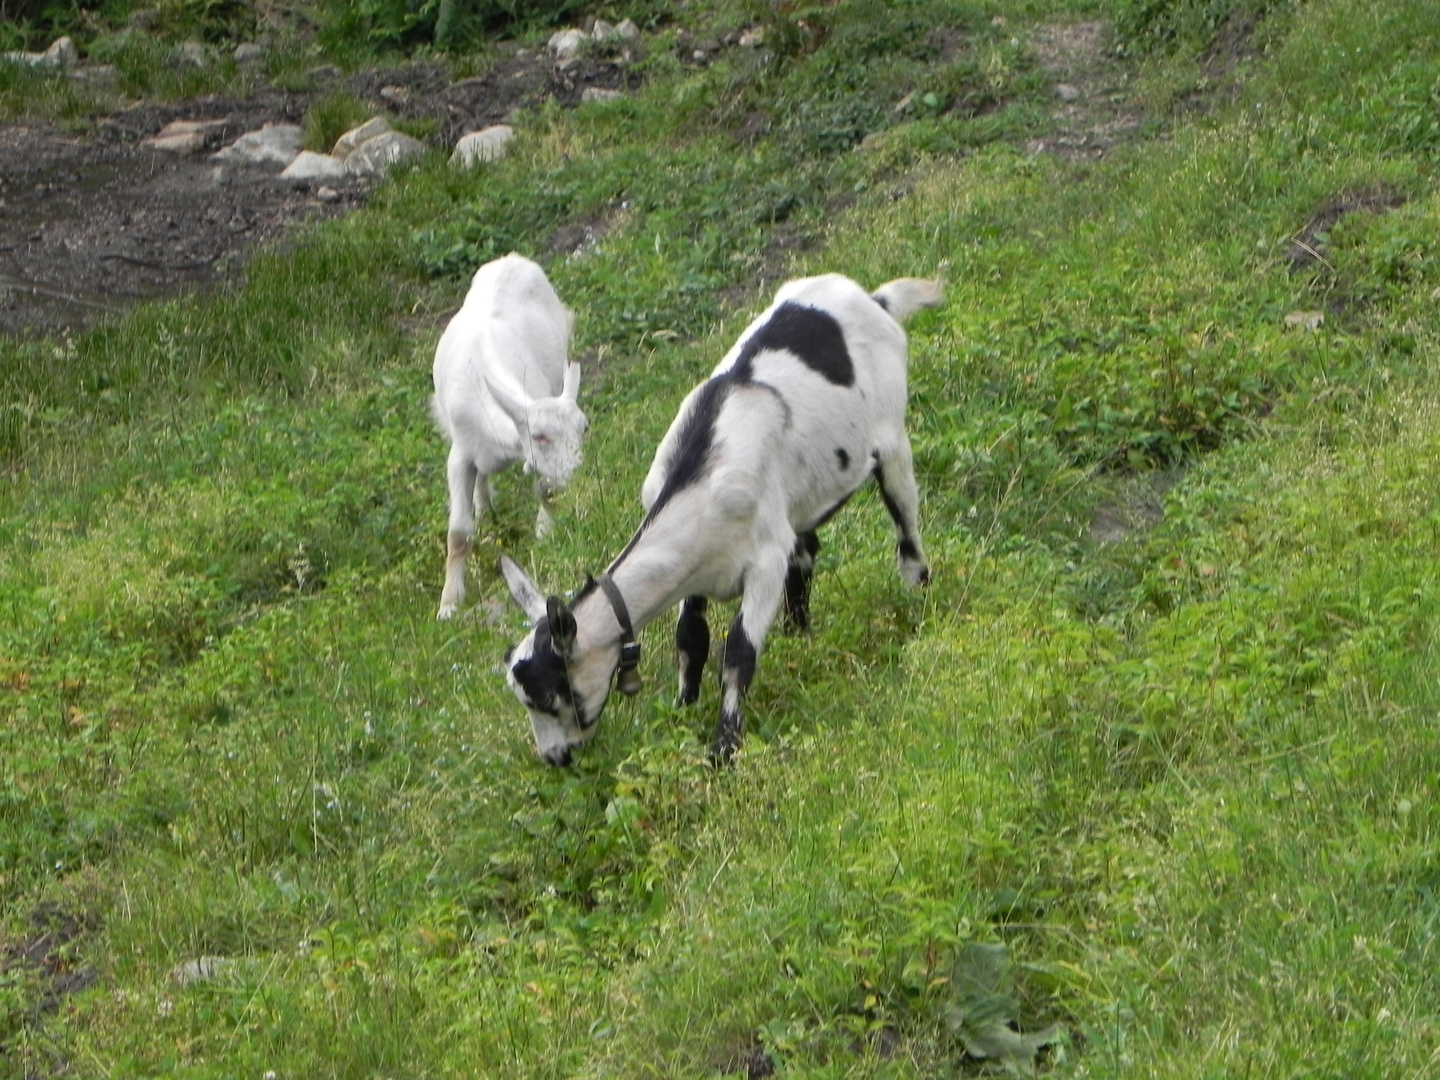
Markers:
point(89, 225)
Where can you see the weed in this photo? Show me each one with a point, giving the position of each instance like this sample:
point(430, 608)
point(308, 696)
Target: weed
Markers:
point(330, 117)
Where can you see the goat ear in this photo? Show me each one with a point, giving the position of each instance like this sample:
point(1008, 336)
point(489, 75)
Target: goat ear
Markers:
point(572, 383)
point(522, 590)
point(562, 626)
point(512, 406)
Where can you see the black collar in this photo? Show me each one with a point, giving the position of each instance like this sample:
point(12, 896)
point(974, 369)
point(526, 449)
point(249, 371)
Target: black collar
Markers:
point(629, 681)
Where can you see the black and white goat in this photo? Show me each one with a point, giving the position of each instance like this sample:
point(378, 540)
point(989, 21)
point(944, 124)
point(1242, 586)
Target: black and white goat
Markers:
point(807, 406)
point(504, 393)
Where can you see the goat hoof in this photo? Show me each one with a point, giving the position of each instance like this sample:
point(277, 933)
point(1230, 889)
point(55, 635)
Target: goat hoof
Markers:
point(446, 612)
point(915, 574)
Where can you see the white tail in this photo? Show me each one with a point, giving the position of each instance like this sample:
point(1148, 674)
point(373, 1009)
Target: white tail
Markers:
point(905, 296)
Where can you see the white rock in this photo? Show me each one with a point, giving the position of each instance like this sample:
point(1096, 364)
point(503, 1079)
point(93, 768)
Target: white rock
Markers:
point(310, 166)
point(62, 53)
point(489, 144)
point(597, 93)
point(247, 52)
point(567, 44)
point(201, 970)
point(272, 147)
point(602, 30)
point(346, 144)
point(193, 53)
point(1066, 92)
point(183, 136)
point(627, 30)
point(98, 74)
point(374, 156)
point(327, 194)
point(753, 38)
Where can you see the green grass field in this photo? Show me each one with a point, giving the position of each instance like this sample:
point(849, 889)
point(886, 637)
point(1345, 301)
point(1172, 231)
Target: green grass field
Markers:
point(1144, 785)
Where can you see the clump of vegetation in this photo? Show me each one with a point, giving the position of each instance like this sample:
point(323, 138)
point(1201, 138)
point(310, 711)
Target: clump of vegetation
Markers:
point(330, 117)
point(1171, 25)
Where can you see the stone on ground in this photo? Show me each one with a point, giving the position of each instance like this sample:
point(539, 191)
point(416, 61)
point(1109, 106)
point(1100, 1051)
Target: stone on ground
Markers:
point(375, 156)
point(356, 136)
point(272, 147)
point(310, 167)
point(489, 144)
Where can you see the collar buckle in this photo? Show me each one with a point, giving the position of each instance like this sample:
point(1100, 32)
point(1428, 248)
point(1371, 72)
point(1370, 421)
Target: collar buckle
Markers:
point(627, 679)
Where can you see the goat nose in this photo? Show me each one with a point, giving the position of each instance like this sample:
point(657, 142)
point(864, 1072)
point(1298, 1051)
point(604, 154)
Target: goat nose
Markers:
point(559, 758)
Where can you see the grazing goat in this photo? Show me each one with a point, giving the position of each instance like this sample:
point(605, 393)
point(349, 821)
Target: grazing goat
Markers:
point(806, 407)
point(504, 394)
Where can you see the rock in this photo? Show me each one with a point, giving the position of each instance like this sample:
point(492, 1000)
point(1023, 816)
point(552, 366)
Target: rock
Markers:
point(325, 73)
point(490, 144)
point(375, 156)
point(145, 18)
point(62, 53)
point(753, 38)
point(310, 166)
point(98, 74)
point(1309, 321)
point(567, 44)
point(201, 970)
point(247, 53)
point(597, 93)
point(327, 194)
point(272, 147)
point(193, 53)
point(347, 143)
point(394, 93)
point(627, 30)
point(602, 30)
point(1066, 92)
point(183, 136)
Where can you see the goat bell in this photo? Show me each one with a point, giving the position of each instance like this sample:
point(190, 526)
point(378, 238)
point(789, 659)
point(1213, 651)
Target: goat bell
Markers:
point(628, 681)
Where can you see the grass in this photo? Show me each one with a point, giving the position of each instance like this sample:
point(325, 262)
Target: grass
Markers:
point(1186, 779)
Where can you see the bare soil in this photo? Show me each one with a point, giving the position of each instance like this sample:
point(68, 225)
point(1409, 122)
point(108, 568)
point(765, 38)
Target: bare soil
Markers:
point(89, 224)
point(1096, 108)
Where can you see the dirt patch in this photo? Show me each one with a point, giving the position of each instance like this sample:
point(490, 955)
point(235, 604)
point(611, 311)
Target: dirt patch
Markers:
point(47, 955)
point(89, 225)
point(1307, 247)
point(1095, 110)
point(1138, 508)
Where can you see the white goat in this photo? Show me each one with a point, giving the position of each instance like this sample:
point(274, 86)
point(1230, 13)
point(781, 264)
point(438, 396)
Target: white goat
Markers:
point(806, 407)
point(504, 393)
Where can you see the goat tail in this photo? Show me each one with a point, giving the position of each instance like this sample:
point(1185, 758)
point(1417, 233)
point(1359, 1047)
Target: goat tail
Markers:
point(905, 296)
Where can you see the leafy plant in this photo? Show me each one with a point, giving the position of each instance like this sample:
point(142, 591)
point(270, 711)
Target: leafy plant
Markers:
point(982, 1013)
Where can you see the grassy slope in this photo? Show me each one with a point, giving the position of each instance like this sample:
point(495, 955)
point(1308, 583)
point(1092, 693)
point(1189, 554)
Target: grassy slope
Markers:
point(1188, 779)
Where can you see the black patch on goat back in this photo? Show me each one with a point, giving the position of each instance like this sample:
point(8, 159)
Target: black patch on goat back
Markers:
point(843, 458)
point(811, 335)
point(691, 454)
